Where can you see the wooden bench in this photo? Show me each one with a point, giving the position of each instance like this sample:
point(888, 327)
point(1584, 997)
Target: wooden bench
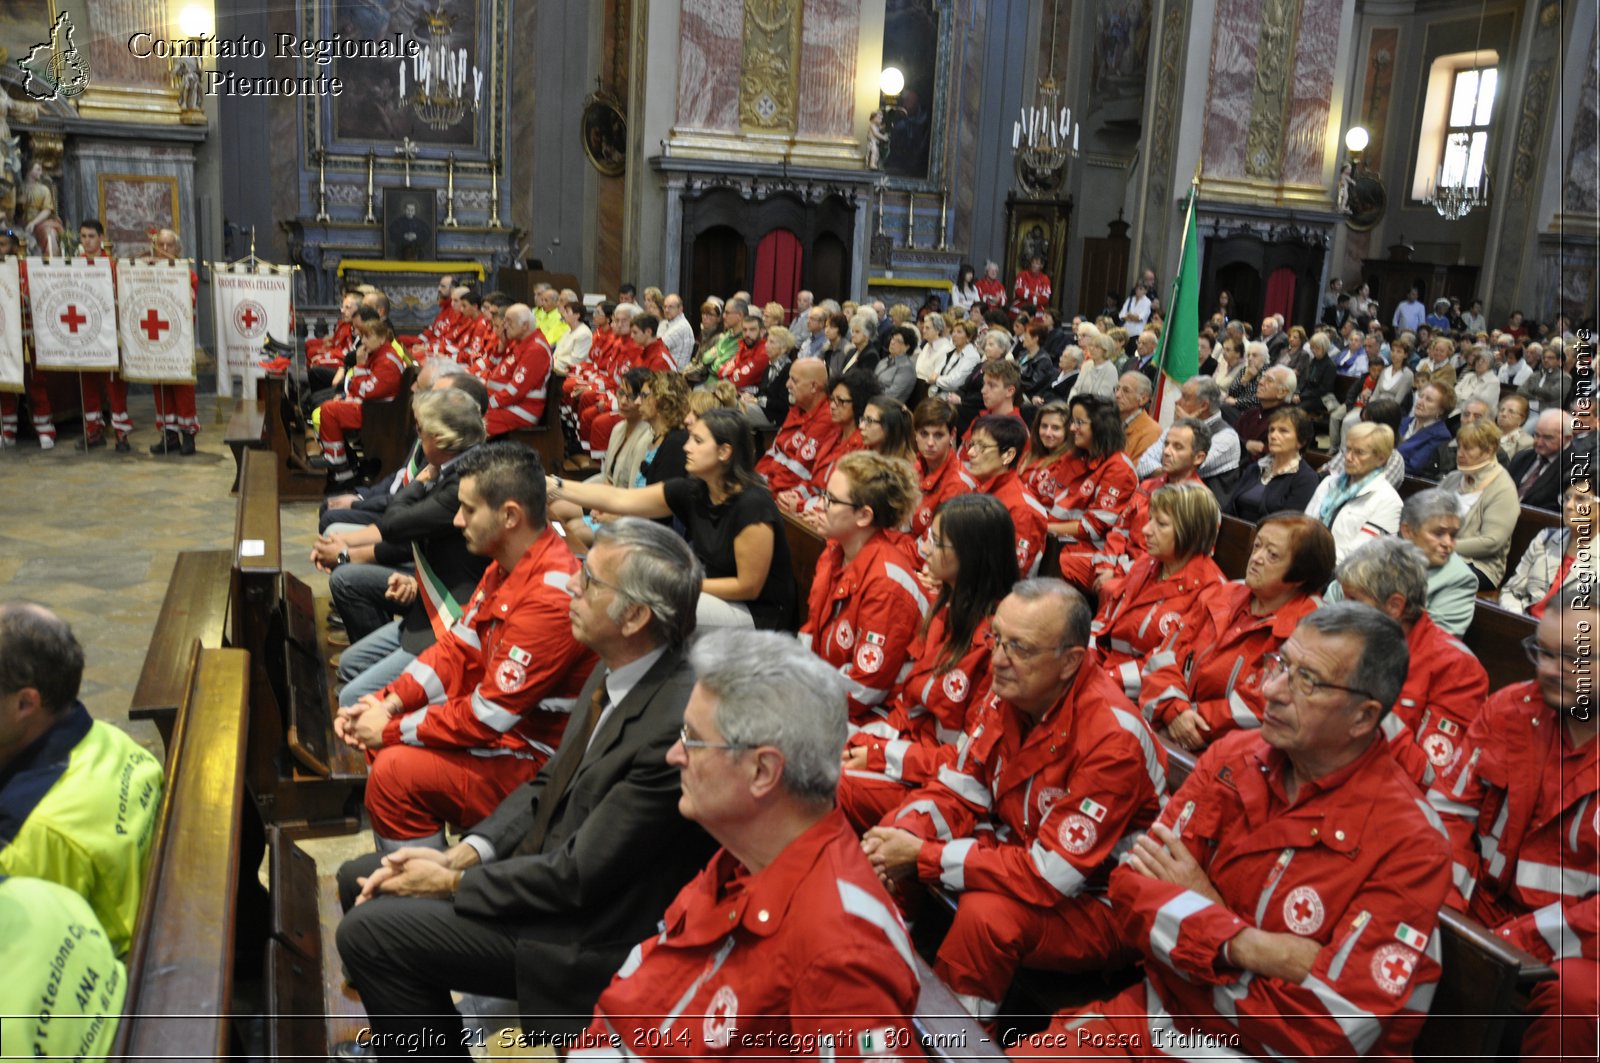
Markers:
point(1530, 522)
point(1234, 540)
point(180, 968)
point(300, 776)
point(805, 549)
point(1495, 638)
point(195, 609)
point(246, 431)
point(297, 481)
point(386, 433)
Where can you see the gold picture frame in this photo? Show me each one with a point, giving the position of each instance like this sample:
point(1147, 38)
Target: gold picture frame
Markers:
point(133, 204)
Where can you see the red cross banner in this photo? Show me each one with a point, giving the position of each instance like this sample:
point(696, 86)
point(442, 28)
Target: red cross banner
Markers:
point(74, 313)
point(10, 325)
point(252, 302)
point(155, 308)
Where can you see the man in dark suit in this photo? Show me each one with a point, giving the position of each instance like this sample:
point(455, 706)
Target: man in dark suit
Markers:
point(544, 898)
point(1539, 472)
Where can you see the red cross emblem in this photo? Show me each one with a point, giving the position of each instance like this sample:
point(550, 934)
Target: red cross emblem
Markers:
point(73, 318)
point(1397, 968)
point(248, 316)
point(153, 325)
point(1076, 833)
point(1303, 910)
point(1392, 968)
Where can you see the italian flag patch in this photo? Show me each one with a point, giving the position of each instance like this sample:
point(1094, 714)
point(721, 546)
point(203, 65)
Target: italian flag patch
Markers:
point(1096, 812)
point(1407, 936)
point(520, 655)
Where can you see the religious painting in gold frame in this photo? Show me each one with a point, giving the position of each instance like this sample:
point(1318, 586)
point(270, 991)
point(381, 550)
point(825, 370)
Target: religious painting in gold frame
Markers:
point(131, 205)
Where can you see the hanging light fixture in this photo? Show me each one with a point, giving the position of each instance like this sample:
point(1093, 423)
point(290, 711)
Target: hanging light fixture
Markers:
point(1045, 137)
point(440, 75)
point(1448, 192)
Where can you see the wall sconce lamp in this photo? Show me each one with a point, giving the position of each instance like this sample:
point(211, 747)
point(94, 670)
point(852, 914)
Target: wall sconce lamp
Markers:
point(1362, 197)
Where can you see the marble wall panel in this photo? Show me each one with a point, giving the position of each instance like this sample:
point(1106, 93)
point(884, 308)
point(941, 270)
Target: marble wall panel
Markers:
point(1233, 78)
point(828, 67)
point(710, 43)
point(1581, 193)
point(1311, 89)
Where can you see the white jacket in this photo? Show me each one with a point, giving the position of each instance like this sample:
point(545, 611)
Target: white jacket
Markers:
point(1372, 513)
point(1528, 585)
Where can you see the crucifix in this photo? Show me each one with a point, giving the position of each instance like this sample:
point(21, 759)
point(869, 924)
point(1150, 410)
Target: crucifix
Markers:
point(407, 151)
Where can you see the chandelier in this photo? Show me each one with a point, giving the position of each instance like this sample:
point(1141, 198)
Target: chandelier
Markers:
point(1449, 194)
point(1045, 138)
point(440, 75)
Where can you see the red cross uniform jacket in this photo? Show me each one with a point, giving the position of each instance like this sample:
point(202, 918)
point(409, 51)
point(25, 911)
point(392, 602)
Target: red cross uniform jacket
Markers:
point(1027, 516)
point(991, 291)
point(1212, 663)
point(863, 617)
point(930, 712)
point(444, 324)
point(791, 460)
point(379, 379)
point(1096, 501)
point(1037, 811)
point(1357, 863)
point(827, 457)
point(1047, 480)
point(1445, 689)
point(502, 683)
point(940, 485)
point(1142, 610)
point(329, 351)
point(1523, 811)
point(748, 366)
point(472, 338)
point(1031, 289)
point(804, 959)
point(1125, 542)
point(517, 382)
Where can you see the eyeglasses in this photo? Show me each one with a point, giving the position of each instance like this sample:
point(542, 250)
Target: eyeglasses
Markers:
point(587, 578)
point(1017, 651)
point(832, 501)
point(1537, 653)
point(1301, 681)
point(835, 400)
point(980, 445)
point(872, 420)
point(698, 743)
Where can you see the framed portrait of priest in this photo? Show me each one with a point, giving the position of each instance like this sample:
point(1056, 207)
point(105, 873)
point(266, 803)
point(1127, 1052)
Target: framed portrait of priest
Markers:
point(409, 230)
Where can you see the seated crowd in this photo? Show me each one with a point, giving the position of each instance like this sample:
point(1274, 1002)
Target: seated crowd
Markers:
point(694, 804)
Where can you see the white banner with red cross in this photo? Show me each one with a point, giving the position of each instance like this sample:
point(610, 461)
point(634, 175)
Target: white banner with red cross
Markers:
point(155, 303)
point(10, 325)
point(252, 303)
point(74, 311)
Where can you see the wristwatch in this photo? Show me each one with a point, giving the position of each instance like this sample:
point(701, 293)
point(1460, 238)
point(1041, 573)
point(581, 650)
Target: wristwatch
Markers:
point(342, 559)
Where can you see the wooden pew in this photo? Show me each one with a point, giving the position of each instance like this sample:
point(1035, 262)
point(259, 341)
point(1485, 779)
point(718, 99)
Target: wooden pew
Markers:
point(1530, 522)
point(297, 481)
point(195, 609)
point(180, 969)
point(1234, 540)
point(299, 775)
point(385, 435)
point(805, 549)
point(1495, 638)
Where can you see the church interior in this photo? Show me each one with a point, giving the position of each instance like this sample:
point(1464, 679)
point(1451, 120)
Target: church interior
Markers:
point(856, 151)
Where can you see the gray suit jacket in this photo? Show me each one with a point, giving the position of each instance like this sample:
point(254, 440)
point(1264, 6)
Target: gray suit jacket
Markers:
point(615, 855)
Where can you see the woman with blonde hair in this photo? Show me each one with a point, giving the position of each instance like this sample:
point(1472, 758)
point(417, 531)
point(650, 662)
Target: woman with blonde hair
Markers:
point(866, 605)
point(1098, 377)
point(1488, 500)
point(1360, 502)
point(1140, 610)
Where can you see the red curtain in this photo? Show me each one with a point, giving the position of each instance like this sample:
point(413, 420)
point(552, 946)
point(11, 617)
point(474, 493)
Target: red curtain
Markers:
point(1280, 293)
point(777, 270)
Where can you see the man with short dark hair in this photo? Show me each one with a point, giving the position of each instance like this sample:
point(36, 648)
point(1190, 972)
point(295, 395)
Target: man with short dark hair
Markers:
point(482, 709)
point(543, 898)
point(78, 797)
point(1056, 761)
point(1287, 898)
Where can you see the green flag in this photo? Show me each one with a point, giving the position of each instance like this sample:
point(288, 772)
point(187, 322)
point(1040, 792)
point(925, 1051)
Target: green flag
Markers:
point(1179, 357)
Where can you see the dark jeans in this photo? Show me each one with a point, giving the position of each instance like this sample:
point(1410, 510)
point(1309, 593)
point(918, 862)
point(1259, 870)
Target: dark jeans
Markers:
point(358, 591)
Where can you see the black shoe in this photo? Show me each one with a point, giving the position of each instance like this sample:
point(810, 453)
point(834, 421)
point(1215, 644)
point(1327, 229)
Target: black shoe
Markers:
point(339, 481)
point(89, 442)
point(123, 446)
point(170, 444)
point(187, 444)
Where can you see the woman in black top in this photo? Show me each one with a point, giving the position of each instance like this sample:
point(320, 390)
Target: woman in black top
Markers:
point(1282, 479)
point(730, 520)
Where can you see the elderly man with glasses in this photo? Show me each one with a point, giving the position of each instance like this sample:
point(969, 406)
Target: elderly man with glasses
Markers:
point(1286, 900)
point(542, 899)
point(1523, 807)
point(1055, 774)
point(786, 944)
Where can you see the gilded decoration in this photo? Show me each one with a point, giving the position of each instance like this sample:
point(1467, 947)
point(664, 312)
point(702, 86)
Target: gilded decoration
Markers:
point(1269, 109)
point(768, 76)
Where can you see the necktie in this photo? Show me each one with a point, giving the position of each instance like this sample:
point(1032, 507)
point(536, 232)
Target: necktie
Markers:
point(1535, 471)
point(574, 745)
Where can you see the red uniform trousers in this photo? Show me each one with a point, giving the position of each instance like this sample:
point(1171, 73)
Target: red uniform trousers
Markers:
point(38, 401)
point(337, 418)
point(1118, 1028)
point(175, 409)
point(117, 389)
point(412, 789)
